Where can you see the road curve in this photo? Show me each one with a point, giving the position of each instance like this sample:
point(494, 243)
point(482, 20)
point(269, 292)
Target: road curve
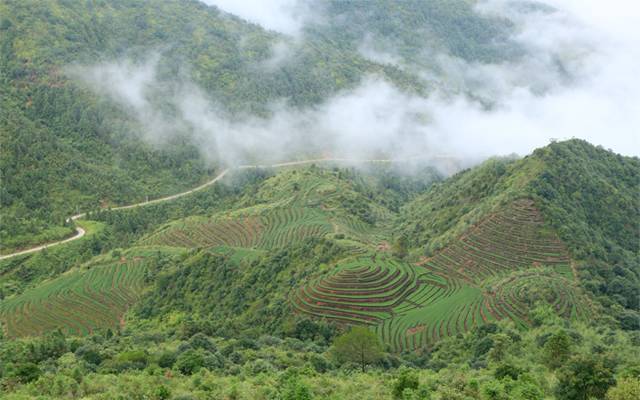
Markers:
point(81, 232)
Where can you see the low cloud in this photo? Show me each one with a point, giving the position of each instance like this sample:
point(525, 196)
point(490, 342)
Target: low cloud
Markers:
point(284, 16)
point(577, 78)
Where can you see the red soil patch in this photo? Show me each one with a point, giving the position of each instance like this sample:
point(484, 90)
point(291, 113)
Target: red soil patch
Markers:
point(416, 329)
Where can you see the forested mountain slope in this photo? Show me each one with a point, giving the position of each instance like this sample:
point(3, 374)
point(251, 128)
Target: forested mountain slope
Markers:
point(586, 194)
point(78, 150)
point(461, 253)
point(59, 139)
point(253, 277)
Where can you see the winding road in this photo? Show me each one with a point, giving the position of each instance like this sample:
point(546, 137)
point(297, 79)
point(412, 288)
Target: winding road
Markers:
point(81, 232)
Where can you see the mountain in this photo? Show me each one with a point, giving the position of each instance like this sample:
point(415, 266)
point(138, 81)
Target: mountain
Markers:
point(204, 218)
point(80, 151)
point(587, 195)
point(430, 264)
point(490, 253)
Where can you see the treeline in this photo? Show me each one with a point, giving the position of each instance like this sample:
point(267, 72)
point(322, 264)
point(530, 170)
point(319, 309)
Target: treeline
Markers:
point(172, 359)
point(590, 196)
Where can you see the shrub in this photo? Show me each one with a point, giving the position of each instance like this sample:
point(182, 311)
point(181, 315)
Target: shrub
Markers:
point(89, 354)
point(319, 363)
point(167, 359)
point(626, 389)
point(162, 393)
point(190, 362)
point(135, 359)
point(26, 372)
point(202, 341)
point(407, 380)
point(296, 390)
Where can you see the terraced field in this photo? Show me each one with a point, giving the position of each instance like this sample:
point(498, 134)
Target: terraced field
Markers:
point(445, 315)
point(364, 290)
point(510, 297)
point(511, 239)
point(498, 269)
point(77, 302)
point(276, 229)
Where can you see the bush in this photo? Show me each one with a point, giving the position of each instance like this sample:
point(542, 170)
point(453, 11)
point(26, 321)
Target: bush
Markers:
point(26, 372)
point(167, 359)
point(319, 363)
point(89, 354)
point(135, 359)
point(584, 377)
point(189, 362)
point(407, 380)
point(493, 390)
point(626, 389)
point(202, 341)
point(162, 393)
point(296, 390)
point(260, 366)
point(213, 361)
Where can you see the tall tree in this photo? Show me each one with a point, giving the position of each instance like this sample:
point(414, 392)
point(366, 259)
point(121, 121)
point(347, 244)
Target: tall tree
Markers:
point(359, 345)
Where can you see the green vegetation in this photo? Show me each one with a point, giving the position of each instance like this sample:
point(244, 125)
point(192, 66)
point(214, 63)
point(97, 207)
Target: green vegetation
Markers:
point(79, 301)
point(360, 346)
point(65, 148)
point(166, 361)
point(585, 196)
point(515, 279)
point(179, 297)
point(449, 26)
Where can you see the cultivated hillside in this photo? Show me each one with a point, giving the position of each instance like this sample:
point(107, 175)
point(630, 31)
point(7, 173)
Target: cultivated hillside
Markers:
point(481, 246)
point(263, 271)
point(585, 195)
point(66, 148)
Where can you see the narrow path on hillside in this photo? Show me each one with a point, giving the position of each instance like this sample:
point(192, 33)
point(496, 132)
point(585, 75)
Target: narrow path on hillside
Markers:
point(81, 232)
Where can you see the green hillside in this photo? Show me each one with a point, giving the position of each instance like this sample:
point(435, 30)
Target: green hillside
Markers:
point(586, 195)
point(63, 143)
point(440, 272)
point(481, 245)
point(316, 278)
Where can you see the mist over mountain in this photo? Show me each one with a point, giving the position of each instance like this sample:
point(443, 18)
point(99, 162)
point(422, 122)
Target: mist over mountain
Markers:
point(319, 199)
point(515, 75)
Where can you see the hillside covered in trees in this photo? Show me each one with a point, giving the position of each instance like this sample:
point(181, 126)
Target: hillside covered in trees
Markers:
point(59, 138)
point(246, 291)
point(323, 224)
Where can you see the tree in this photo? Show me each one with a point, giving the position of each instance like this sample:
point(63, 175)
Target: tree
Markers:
point(626, 389)
point(557, 350)
point(400, 247)
point(407, 380)
point(359, 345)
point(190, 362)
point(584, 377)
